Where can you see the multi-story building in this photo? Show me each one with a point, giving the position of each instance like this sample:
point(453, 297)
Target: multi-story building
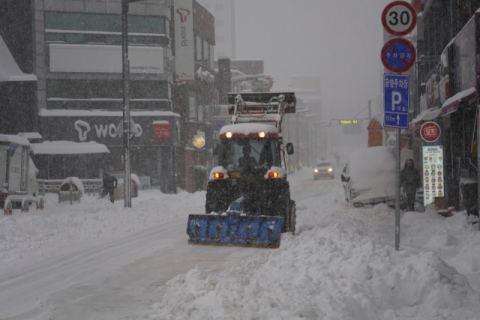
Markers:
point(194, 95)
point(447, 81)
point(224, 13)
point(74, 48)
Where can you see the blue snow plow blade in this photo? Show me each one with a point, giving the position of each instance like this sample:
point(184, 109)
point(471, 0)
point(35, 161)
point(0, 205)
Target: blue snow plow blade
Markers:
point(234, 229)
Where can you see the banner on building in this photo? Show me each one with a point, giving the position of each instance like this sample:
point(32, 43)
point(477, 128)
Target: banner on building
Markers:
point(184, 40)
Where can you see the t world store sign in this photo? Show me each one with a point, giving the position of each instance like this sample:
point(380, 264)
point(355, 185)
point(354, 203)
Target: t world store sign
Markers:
point(106, 130)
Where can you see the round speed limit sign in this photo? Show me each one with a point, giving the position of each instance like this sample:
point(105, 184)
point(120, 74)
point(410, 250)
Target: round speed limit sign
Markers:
point(399, 18)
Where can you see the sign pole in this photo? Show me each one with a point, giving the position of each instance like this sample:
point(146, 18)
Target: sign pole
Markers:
point(397, 190)
point(126, 108)
point(398, 55)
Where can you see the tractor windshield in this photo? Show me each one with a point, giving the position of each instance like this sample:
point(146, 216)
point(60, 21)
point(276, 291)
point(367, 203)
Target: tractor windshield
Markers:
point(257, 152)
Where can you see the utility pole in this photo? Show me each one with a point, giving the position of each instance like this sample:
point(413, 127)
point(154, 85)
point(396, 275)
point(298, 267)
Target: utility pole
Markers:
point(127, 196)
point(370, 110)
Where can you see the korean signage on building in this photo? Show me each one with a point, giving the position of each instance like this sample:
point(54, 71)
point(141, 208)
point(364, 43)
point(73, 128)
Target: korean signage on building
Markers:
point(433, 173)
point(184, 43)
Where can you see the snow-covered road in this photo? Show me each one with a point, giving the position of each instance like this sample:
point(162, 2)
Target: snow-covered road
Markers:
point(95, 260)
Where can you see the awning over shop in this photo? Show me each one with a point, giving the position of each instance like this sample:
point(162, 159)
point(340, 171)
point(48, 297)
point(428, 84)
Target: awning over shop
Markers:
point(451, 104)
point(68, 147)
point(9, 70)
point(427, 115)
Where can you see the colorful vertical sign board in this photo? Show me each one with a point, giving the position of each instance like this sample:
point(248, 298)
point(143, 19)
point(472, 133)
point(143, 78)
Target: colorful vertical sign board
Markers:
point(184, 43)
point(433, 173)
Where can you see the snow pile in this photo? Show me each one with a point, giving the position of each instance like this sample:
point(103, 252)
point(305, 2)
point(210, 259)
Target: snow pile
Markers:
point(326, 273)
point(339, 266)
point(24, 235)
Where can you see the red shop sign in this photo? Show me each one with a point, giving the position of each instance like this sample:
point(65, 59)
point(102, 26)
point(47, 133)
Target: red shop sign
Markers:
point(430, 132)
point(161, 130)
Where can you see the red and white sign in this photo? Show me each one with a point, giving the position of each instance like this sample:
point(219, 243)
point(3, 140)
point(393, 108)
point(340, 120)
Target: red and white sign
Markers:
point(161, 130)
point(430, 131)
point(399, 18)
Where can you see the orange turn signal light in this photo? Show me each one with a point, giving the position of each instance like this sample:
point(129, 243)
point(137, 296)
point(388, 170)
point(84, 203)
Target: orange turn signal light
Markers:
point(273, 174)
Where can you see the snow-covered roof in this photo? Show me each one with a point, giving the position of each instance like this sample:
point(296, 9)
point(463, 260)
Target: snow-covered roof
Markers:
point(68, 147)
point(30, 135)
point(14, 139)
point(249, 128)
point(9, 70)
point(103, 113)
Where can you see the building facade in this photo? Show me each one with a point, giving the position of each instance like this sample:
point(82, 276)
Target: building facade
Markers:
point(224, 13)
point(74, 48)
point(447, 93)
point(194, 92)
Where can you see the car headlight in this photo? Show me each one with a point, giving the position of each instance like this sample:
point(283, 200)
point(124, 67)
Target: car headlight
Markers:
point(315, 170)
point(330, 169)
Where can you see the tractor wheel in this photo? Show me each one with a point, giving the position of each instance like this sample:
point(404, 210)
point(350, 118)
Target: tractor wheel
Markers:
point(293, 216)
point(216, 198)
point(283, 210)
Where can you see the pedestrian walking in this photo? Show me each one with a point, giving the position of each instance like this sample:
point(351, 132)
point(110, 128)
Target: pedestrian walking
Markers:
point(109, 185)
point(410, 181)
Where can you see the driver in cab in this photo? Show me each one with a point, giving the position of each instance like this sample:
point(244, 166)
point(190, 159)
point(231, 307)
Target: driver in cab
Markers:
point(247, 162)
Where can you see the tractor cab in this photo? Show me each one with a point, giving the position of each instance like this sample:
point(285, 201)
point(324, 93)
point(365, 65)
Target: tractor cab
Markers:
point(255, 146)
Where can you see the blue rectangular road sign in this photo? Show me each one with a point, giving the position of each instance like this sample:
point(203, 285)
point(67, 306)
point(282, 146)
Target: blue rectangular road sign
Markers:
point(396, 93)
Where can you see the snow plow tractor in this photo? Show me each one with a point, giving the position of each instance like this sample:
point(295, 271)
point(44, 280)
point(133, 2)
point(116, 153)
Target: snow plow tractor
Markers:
point(248, 196)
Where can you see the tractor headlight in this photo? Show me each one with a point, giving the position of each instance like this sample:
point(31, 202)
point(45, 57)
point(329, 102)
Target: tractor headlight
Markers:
point(315, 170)
point(228, 134)
point(330, 169)
point(261, 134)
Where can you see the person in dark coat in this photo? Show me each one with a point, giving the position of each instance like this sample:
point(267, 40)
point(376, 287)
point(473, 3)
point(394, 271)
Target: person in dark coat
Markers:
point(109, 185)
point(410, 181)
point(247, 162)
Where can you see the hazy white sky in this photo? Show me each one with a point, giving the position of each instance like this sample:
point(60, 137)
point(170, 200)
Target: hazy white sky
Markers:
point(340, 40)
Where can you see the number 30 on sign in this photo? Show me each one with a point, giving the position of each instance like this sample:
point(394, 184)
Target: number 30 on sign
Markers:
point(399, 18)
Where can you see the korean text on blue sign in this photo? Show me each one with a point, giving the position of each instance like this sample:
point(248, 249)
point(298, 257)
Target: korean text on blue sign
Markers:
point(396, 91)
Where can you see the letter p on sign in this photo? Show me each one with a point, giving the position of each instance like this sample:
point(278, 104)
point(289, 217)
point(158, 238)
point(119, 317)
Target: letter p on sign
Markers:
point(396, 99)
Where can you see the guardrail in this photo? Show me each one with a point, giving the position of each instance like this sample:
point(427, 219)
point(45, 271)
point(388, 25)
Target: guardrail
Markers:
point(91, 186)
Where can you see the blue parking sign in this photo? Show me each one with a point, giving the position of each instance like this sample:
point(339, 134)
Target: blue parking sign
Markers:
point(396, 93)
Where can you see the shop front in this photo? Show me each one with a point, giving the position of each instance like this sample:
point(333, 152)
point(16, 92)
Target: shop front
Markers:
point(152, 155)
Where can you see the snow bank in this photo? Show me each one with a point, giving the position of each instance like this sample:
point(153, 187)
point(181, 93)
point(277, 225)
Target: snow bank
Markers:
point(338, 267)
point(302, 280)
point(60, 224)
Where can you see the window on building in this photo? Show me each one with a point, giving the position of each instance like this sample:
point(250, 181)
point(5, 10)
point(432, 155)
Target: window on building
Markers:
point(212, 57)
point(198, 48)
point(192, 107)
point(88, 27)
point(206, 53)
point(201, 108)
